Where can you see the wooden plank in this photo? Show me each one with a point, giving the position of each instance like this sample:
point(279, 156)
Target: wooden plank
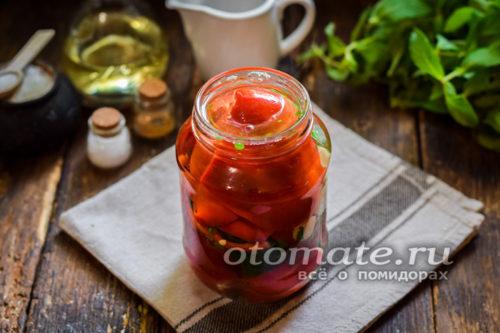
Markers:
point(73, 291)
point(365, 110)
point(469, 300)
point(395, 131)
point(27, 192)
point(27, 188)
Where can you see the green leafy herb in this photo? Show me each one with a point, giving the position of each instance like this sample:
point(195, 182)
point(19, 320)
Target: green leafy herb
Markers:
point(441, 56)
point(424, 56)
point(493, 120)
point(239, 146)
point(460, 108)
point(319, 136)
point(489, 141)
point(460, 17)
point(300, 113)
point(397, 10)
point(485, 56)
point(444, 44)
point(336, 46)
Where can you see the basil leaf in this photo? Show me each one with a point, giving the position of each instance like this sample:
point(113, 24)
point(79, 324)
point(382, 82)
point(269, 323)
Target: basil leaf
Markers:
point(436, 92)
point(424, 56)
point(436, 106)
point(239, 146)
point(329, 30)
point(489, 141)
point(459, 107)
point(319, 136)
point(493, 119)
point(336, 46)
point(491, 25)
point(445, 57)
point(484, 57)
point(350, 62)
point(479, 82)
point(460, 17)
point(315, 51)
point(357, 31)
point(371, 50)
point(445, 44)
point(483, 4)
point(399, 50)
point(398, 10)
point(337, 74)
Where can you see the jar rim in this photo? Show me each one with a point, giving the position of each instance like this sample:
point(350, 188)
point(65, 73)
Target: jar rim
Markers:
point(199, 112)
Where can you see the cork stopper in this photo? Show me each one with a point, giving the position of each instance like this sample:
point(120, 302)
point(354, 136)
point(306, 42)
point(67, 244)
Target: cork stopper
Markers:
point(153, 89)
point(106, 118)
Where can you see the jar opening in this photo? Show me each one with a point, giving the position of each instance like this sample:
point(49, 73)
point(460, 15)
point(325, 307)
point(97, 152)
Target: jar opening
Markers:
point(252, 106)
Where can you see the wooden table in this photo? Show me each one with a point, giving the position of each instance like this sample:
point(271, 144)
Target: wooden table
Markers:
point(49, 283)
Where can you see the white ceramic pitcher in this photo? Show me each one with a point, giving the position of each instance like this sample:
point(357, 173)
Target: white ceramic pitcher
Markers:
point(226, 34)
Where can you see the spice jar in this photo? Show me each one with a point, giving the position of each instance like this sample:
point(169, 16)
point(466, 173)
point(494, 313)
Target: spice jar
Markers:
point(153, 110)
point(253, 160)
point(108, 140)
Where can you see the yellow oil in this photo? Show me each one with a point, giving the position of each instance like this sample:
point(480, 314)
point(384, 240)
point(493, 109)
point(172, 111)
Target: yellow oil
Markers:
point(109, 54)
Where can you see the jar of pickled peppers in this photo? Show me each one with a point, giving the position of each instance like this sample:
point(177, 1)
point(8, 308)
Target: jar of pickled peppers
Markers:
point(253, 159)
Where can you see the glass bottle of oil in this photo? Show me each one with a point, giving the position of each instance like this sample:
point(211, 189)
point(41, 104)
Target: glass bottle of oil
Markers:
point(112, 47)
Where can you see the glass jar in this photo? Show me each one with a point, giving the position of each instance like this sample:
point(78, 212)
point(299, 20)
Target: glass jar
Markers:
point(153, 110)
point(108, 139)
point(253, 160)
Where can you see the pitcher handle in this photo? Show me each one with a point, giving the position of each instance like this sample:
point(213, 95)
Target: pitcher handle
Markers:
point(305, 26)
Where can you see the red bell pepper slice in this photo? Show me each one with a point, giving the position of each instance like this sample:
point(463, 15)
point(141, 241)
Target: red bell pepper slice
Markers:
point(210, 213)
point(255, 106)
point(245, 231)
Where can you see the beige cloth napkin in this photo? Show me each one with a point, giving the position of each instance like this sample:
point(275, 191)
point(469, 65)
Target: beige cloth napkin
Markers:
point(135, 229)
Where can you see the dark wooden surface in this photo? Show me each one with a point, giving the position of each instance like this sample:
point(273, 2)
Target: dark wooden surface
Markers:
point(48, 283)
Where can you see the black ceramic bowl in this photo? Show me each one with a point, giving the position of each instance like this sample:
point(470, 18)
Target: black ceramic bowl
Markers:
point(44, 121)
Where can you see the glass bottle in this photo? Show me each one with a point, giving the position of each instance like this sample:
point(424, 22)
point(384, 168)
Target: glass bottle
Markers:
point(153, 110)
point(108, 139)
point(253, 160)
point(112, 47)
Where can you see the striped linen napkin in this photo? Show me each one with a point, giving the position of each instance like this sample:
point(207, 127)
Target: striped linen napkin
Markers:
point(374, 198)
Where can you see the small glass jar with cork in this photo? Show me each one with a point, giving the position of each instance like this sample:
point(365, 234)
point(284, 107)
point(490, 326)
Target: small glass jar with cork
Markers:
point(153, 110)
point(108, 140)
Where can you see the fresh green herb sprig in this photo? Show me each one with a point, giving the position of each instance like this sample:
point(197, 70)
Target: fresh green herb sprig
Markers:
point(439, 55)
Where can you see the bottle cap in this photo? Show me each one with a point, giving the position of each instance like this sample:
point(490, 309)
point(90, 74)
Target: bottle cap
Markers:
point(153, 89)
point(106, 118)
